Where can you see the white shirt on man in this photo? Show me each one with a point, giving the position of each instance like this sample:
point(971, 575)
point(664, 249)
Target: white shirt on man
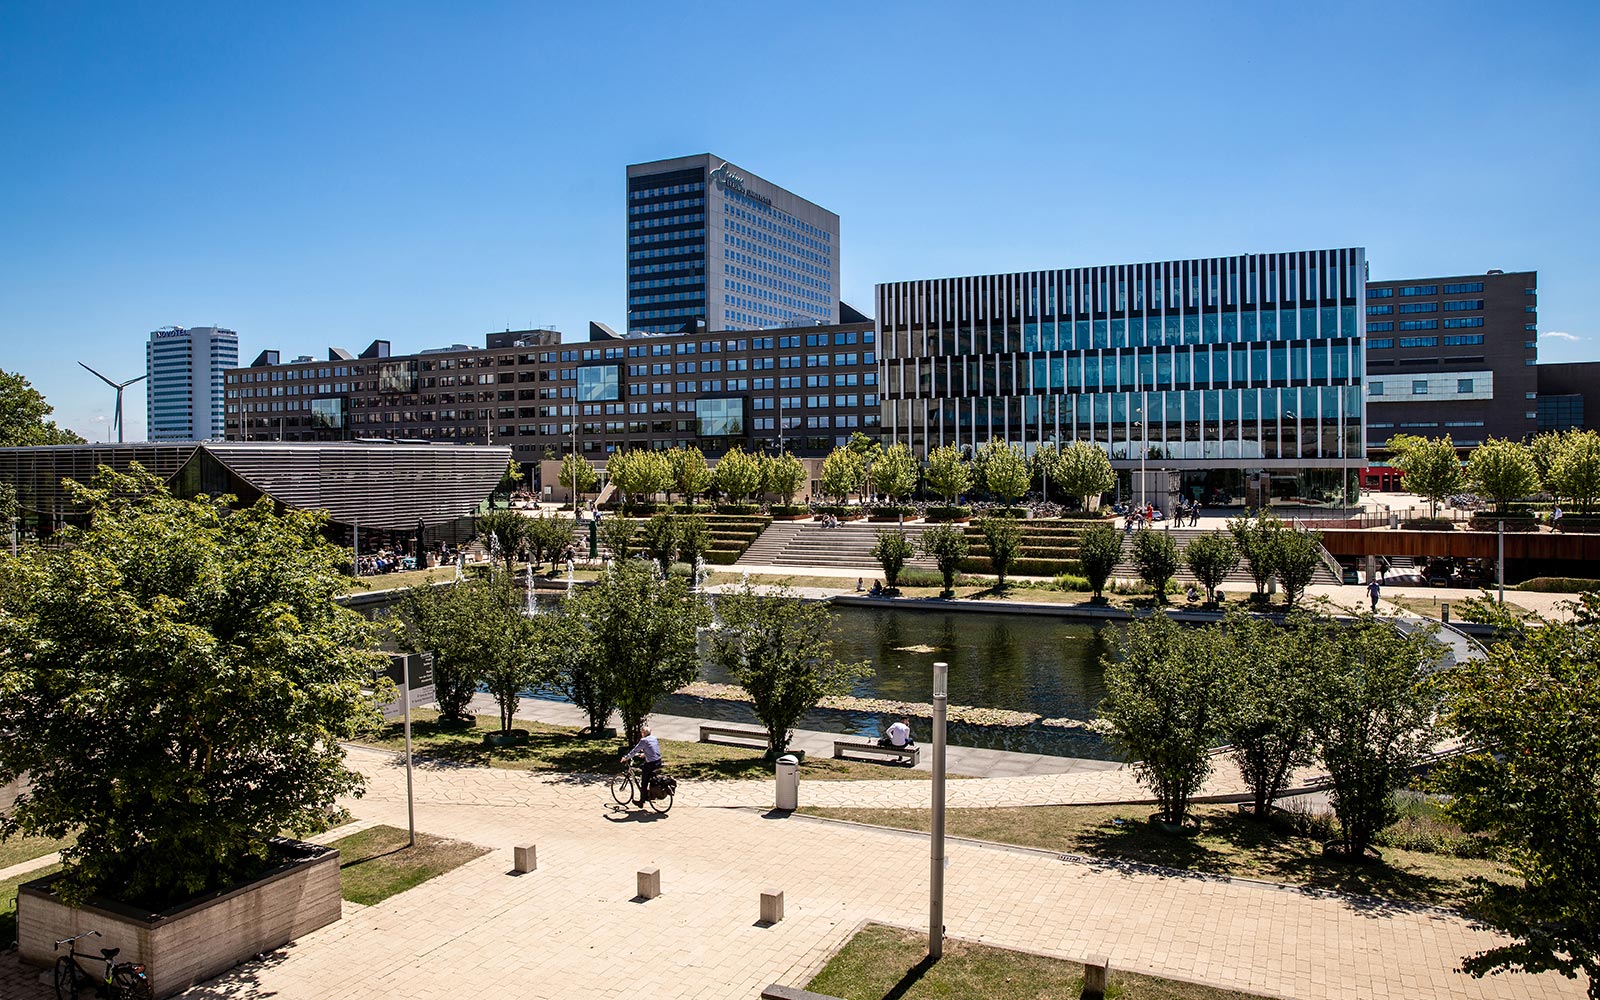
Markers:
point(899, 734)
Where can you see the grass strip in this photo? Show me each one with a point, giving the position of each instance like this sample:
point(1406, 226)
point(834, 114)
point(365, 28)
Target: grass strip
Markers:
point(8, 902)
point(376, 863)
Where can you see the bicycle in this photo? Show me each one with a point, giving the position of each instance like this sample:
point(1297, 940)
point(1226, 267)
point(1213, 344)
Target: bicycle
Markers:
point(122, 980)
point(659, 796)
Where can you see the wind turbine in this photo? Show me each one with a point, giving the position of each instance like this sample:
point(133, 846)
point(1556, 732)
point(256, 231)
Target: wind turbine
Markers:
point(116, 421)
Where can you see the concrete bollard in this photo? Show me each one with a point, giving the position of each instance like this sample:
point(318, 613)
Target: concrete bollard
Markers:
point(649, 883)
point(526, 858)
point(772, 906)
point(1096, 974)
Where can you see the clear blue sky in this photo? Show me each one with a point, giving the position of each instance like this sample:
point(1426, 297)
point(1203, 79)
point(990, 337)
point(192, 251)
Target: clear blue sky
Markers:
point(327, 174)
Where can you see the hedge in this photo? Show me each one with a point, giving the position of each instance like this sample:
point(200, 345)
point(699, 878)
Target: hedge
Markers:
point(1429, 524)
point(1558, 585)
point(1491, 522)
point(1023, 567)
point(947, 513)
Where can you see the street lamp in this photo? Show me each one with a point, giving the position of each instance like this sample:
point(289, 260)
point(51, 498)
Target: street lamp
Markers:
point(941, 699)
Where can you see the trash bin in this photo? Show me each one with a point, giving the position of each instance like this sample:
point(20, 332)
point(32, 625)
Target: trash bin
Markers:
point(788, 769)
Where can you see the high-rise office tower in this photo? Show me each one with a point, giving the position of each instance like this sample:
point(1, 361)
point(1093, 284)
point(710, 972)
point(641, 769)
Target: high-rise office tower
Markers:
point(185, 386)
point(714, 247)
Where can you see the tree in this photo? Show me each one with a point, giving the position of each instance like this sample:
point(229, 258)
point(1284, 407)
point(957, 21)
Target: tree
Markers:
point(778, 648)
point(643, 633)
point(1168, 692)
point(1257, 540)
point(1543, 450)
point(659, 539)
point(639, 474)
point(504, 532)
point(1528, 712)
point(782, 476)
point(1432, 470)
point(427, 621)
point(738, 475)
point(1502, 471)
point(584, 677)
point(177, 680)
point(618, 534)
point(948, 473)
point(892, 551)
point(622, 475)
point(1155, 556)
point(946, 545)
point(1211, 557)
point(1044, 466)
point(868, 450)
point(1003, 536)
point(1375, 724)
point(689, 472)
point(22, 416)
point(841, 473)
point(578, 475)
point(512, 477)
point(694, 539)
point(1084, 471)
point(895, 473)
point(1575, 473)
point(1099, 551)
point(1297, 556)
point(476, 629)
point(1003, 470)
point(546, 537)
point(1269, 724)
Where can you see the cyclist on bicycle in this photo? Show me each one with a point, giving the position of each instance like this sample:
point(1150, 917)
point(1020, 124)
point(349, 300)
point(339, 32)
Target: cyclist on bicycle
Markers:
point(648, 751)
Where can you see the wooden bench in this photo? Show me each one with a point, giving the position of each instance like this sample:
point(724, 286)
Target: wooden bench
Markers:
point(908, 754)
point(724, 734)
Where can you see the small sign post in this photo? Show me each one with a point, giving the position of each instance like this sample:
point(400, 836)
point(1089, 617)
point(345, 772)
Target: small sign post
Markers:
point(415, 677)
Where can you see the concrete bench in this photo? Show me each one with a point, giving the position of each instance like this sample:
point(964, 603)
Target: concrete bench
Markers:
point(726, 734)
point(908, 754)
point(777, 992)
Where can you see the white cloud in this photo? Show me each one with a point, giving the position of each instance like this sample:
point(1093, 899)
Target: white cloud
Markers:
point(1561, 335)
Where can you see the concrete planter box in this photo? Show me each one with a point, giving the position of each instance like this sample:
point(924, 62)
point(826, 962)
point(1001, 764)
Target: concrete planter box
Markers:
point(196, 940)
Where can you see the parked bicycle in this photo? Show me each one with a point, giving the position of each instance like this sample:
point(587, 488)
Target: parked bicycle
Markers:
point(658, 796)
point(120, 981)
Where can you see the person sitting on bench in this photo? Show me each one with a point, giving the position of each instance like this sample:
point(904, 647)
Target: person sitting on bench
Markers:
point(898, 736)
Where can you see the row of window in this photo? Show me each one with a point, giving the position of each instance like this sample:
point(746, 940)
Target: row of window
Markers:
point(668, 189)
point(677, 234)
point(666, 206)
point(1419, 387)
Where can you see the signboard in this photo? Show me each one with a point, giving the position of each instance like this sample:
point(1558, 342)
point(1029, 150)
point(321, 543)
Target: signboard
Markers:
point(418, 668)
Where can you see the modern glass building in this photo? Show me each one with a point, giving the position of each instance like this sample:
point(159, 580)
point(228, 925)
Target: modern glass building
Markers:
point(184, 401)
point(714, 247)
point(1247, 363)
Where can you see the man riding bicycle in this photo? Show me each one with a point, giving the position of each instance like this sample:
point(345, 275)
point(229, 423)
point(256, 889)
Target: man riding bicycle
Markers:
point(647, 750)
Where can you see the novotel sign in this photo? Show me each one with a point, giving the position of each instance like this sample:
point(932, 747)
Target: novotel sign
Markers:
point(727, 179)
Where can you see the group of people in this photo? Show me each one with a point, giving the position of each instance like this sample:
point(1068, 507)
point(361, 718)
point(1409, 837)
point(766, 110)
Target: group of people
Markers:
point(829, 521)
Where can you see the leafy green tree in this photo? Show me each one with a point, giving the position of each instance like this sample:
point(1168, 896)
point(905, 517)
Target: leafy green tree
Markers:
point(1528, 712)
point(622, 474)
point(427, 622)
point(654, 472)
point(643, 633)
point(948, 473)
point(777, 647)
point(659, 538)
point(1257, 539)
point(868, 450)
point(8, 510)
point(1211, 557)
point(1430, 466)
point(578, 475)
point(22, 416)
point(1296, 557)
point(639, 474)
point(946, 545)
point(694, 539)
point(1576, 471)
point(895, 473)
point(1084, 471)
point(619, 535)
point(1269, 725)
point(506, 531)
point(1502, 471)
point(1169, 691)
point(1003, 536)
point(584, 676)
point(842, 472)
point(1542, 449)
point(782, 476)
point(738, 474)
point(546, 537)
point(1376, 720)
point(176, 683)
point(690, 473)
point(1003, 470)
point(893, 550)
point(1044, 466)
point(1155, 556)
point(1099, 551)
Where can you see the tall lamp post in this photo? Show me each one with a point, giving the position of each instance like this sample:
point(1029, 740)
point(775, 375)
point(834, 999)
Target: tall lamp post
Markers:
point(941, 698)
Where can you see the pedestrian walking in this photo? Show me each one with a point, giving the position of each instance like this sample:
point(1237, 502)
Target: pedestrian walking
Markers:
point(1372, 592)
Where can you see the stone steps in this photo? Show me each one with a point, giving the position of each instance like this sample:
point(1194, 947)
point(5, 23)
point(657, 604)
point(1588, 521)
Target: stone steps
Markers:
point(808, 543)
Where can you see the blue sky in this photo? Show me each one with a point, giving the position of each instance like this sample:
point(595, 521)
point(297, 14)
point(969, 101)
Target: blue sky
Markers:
point(328, 174)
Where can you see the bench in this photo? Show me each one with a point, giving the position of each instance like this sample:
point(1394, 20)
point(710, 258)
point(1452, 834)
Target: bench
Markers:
point(723, 734)
point(908, 754)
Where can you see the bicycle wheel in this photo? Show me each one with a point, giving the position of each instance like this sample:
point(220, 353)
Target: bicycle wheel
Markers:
point(662, 804)
point(130, 984)
point(622, 788)
point(66, 979)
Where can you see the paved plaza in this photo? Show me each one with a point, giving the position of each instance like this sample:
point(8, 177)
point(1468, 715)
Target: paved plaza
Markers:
point(574, 929)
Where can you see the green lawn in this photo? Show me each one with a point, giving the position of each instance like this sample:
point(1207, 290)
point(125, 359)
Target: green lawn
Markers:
point(880, 963)
point(560, 749)
point(1227, 843)
point(20, 849)
point(376, 863)
point(8, 902)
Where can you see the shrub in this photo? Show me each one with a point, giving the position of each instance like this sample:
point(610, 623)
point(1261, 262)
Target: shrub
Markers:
point(1211, 557)
point(1558, 585)
point(947, 513)
point(618, 534)
point(1099, 551)
point(946, 545)
point(1003, 536)
point(1156, 557)
point(1071, 582)
point(788, 510)
point(892, 551)
point(740, 509)
point(1429, 524)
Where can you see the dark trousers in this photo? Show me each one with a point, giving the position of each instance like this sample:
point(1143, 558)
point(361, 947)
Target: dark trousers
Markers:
point(647, 774)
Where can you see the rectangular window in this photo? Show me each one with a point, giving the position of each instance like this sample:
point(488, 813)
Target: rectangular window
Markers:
point(1375, 389)
point(1419, 307)
point(1419, 324)
point(1464, 288)
point(1419, 341)
point(1379, 310)
point(1463, 305)
point(1383, 342)
point(1463, 385)
point(1380, 328)
point(1462, 340)
point(1419, 387)
point(1413, 290)
point(1464, 322)
point(1380, 293)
